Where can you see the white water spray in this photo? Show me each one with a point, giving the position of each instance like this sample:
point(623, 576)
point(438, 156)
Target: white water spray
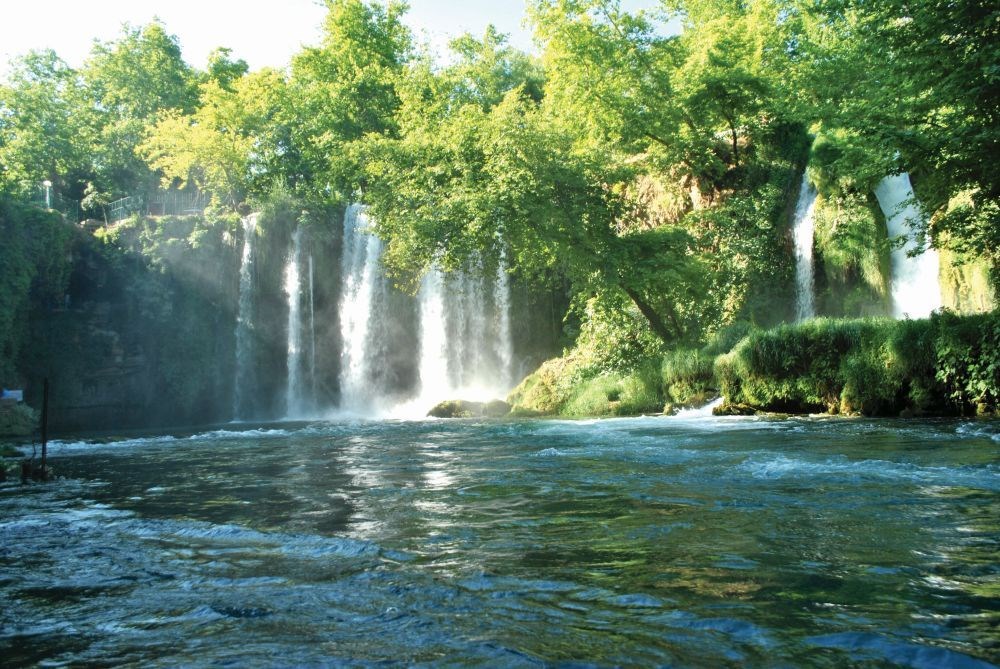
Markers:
point(915, 282)
point(435, 381)
point(459, 330)
point(246, 379)
point(803, 232)
point(466, 350)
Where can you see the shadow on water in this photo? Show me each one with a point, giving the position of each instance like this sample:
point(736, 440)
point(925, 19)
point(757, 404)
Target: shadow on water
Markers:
point(708, 542)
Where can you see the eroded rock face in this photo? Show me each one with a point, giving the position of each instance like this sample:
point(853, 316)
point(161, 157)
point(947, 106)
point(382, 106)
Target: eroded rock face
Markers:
point(467, 409)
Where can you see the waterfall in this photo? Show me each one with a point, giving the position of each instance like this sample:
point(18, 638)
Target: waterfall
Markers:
point(504, 339)
point(245, 384)
point(435, 381)
point(294, 395)
point(401, 355)
point(915, 284)
point(802, 230)
point(362, 301)
point(465, 335)
point(312, 332)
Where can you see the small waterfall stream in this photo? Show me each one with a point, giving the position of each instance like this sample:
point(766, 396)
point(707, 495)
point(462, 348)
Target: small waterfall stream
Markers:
point(245, 383)
point(362, 304)
point(504, 339)
point(803, 232)
point(295, 397)
point(915, 284)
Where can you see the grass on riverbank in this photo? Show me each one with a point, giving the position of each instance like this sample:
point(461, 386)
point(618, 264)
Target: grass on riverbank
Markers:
point(944, 365)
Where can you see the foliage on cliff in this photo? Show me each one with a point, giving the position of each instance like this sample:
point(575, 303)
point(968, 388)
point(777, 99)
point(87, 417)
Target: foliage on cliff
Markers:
point(35, 264)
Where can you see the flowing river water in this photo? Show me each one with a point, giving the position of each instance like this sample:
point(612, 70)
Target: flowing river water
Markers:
point(703, 542)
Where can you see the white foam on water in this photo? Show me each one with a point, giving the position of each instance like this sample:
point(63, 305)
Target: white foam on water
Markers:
point(769, 466)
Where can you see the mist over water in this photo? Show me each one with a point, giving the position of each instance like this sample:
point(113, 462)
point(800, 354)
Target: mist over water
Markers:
point(685, 541)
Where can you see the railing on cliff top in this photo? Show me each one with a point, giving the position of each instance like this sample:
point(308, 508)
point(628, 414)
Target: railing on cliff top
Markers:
point(45, 198)
point(159, 203)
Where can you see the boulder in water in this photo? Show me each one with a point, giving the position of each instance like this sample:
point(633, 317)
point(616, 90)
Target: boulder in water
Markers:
point(496, 409)
point(729, 409)
point(467, 409)
point(456, 409)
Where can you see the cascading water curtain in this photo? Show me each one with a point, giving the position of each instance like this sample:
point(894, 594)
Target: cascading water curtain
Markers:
point(294, 395)
point(915, 282)
point(803, 231)
point(245, 383)
point(362, 288)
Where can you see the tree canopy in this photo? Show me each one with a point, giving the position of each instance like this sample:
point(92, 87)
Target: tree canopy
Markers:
point(647, 157)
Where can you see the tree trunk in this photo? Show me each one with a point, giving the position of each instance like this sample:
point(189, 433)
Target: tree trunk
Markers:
point(736, 148)
point(659, 327)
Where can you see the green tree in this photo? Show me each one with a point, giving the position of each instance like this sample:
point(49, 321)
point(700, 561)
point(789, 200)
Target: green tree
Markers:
point(507, 181)
point(223, 70)
point(918, 83)
point(43, 135)
point(132, 81)
point(343, 90)
point(230, 146)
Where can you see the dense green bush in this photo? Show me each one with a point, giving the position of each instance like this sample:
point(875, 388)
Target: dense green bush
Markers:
point(616, 394)
point(687, 375)
point(947, 364)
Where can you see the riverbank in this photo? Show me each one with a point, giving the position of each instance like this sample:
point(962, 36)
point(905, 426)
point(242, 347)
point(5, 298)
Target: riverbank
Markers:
point(946, 365)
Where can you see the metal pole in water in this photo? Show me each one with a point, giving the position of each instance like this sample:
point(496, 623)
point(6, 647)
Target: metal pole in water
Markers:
point(45, 426)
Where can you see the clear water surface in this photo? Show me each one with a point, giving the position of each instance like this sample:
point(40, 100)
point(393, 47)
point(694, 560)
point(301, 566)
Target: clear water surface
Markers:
point(696, 542)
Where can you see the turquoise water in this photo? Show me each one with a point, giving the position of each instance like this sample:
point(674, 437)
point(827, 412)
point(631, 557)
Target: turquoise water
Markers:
point(700, 542)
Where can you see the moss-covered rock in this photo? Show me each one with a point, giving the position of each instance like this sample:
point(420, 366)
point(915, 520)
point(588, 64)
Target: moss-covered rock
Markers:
point(544, 391)
point(564, 387)
point(496, 409)
point(730, 409)
point(966, 286)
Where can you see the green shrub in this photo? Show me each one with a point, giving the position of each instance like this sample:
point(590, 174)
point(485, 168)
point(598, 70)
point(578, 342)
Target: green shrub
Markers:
point(617, 394)
point(547, 389)
point(687, 374)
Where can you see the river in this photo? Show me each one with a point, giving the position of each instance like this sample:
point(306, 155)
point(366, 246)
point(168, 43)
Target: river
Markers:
point(702, 542)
